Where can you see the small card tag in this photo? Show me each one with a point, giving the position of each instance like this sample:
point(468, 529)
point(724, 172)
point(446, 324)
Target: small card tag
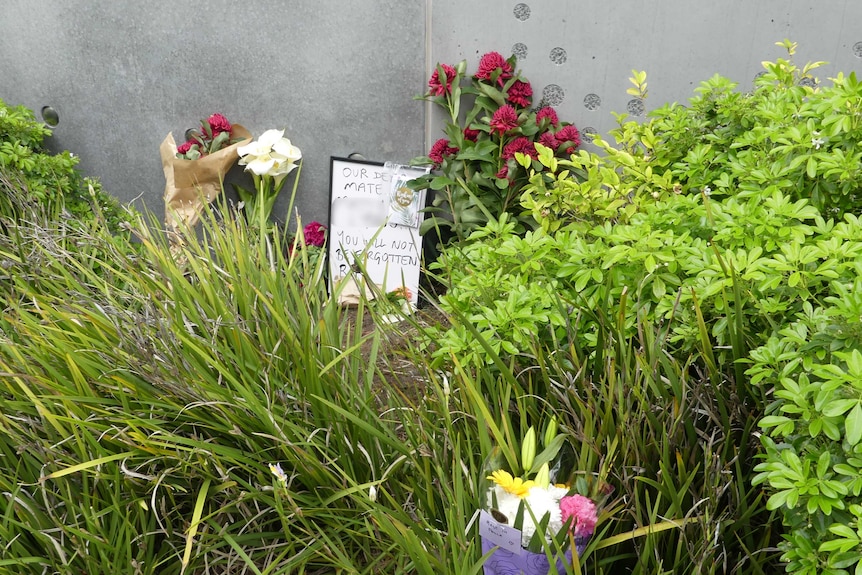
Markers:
point(504, 536)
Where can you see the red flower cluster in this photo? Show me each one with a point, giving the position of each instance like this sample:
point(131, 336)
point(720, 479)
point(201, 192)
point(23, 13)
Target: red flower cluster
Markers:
point(523, 145)
point(471, 134)
point(520, 93)
point(202, 141)
point(218, 124)
point(314, 234)
point(549, 140)
point(550, 114)
point(569, 138)
point(504, 119)
point(489, 64)
point(436, 86)
point(440, 150)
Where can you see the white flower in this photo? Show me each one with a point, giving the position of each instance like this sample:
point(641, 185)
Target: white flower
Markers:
point(278, 472)
point(271, 155)
point(707, 191)
point(372, 493)
point(540, 500)
point(817, 142)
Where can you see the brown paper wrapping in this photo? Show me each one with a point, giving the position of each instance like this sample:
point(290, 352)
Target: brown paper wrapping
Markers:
point(192, 184)
point(350, 292)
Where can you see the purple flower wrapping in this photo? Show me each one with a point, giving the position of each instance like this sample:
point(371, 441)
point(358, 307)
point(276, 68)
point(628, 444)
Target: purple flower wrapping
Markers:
point(503, 562)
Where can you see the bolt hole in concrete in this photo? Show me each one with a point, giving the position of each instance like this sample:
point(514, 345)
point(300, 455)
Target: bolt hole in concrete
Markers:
point(519, 50)
point(553, 95)
point(592, 102)
point(857, 49)
point(50, 116)
point(191, 133)
point(588, 134)
point(558, 56)
point(636, 107)
point(521, 11)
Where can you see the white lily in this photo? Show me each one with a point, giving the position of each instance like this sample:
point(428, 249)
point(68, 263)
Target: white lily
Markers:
point(271, 155)
point(269, 159)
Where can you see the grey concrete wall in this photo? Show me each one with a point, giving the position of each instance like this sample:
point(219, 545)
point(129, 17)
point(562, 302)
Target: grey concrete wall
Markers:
point(582, 51)
point(337, 75)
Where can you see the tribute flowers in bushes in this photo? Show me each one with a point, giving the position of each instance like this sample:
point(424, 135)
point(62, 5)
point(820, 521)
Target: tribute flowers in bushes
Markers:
point(530, 513)
point(195, 169)
point(476, 173)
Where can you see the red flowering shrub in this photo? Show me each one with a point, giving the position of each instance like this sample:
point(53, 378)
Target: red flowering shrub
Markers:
point(477, 160)
point(436, 86)
point(504, 119)
point(547, 113)
point(522, 145)
point(440, 150)
point(569, 138)
point(520, 94)
point(493, 64)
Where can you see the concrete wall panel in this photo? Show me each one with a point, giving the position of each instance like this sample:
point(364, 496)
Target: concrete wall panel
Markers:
point(587, 48)
point(338, 75)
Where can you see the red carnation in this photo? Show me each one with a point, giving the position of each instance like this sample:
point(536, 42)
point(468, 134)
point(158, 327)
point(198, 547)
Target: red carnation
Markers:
point(568, 135)
point(440, 150)
point(520, 93)
point(219, 124)
point(548, 140)
point(489, 64)
point(504, 119)
point(470, 134)
point(185, 147)
point(315, 234)
point(550, 114)
point(522, 145)
point(503, 174)
point(437, 88)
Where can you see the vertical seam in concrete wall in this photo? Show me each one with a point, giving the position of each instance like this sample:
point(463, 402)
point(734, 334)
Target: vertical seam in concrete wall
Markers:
point(428, 71)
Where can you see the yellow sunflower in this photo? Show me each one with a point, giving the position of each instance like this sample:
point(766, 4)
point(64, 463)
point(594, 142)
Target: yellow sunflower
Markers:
point(514, 485)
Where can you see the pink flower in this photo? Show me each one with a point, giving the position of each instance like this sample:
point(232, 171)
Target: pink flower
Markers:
point(185, 147)
point(219, 124)
point(503, 174)
point(438, 88)
point(549, 140)
point(550, 114)
point(520, 94)
point(470, 134)
point(315, 234)
point(583, 510)
point(402, 292)
point(569, 137)
point(440, 150)
point(504, 119)
point(490, 63)
point(522, 145)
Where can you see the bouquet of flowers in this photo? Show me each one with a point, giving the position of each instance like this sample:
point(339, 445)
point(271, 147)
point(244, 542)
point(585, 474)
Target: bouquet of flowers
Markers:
point(477, 175)
point(269, 159)
point(195, 169)
point(534, 512)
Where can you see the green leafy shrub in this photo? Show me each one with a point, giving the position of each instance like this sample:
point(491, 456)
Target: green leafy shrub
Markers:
point(813, 429)
point(732, 222)
point(48, 179)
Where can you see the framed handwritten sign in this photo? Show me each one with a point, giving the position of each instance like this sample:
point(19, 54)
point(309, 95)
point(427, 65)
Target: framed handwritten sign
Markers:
point(373, 225)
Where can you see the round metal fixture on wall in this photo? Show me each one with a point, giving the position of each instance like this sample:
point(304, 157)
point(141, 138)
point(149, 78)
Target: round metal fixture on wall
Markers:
point(50, 116)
